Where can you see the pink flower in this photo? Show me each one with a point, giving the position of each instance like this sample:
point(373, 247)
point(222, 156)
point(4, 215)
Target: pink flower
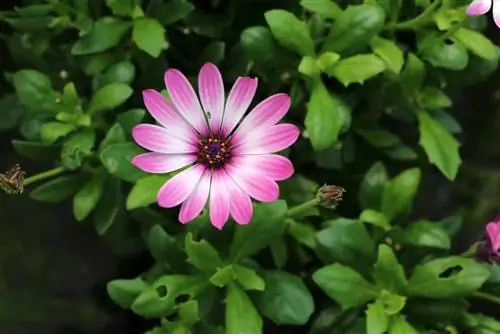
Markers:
point(227, 157)
point(493, 232)
point(481, 7)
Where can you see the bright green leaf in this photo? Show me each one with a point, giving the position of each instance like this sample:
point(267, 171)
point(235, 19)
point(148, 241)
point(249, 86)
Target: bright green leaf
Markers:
point(87, 197)
point(400, 191)
point(452, 56)
point(357, 69)
point(434, 98)
point(77, 148)
point(241, 315)
point(34, 90)
point(149, 36)
point(202, 255)
point(109, 97)
point(327, 60)
point(477, 43)
point(290, 31)
point(122, 7)
point(145, 191)
point(124, 291)
point(50, 132)
point(389, 52)
point(309, 67)
point(106, 33)
point(165, 248)
point(248, 278)
point(327, 8)
point(399, 325)
point(424, 233)
point(414, 73)
point(129, 119)
point(377, 320)
point(388, 273)
point(116, 158)
point(372, 187)
point(375, 218)
point(439, 145)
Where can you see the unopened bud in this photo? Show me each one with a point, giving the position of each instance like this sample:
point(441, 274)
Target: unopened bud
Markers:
point(330, 196)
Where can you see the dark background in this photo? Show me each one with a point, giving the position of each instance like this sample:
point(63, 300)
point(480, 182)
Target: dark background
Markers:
point(53, 270)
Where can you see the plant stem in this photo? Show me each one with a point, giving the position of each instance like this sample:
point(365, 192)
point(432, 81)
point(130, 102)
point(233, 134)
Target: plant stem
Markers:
point(44, 175)
point(301, 207)
point(417, 21)
point(486, 296)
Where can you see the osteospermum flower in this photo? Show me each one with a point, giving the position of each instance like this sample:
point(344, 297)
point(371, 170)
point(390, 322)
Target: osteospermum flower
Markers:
point(228, 157)
point(481, 7)
point(489, 247)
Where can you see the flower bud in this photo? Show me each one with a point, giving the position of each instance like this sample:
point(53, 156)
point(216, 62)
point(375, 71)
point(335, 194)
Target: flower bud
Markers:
point(329, 196)
point(488, 249)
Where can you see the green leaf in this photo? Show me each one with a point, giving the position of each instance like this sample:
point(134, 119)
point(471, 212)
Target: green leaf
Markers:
point(400, 152)
point(346, 241)
point(36, 151)
point(171, 11)
point(57, 189)
point(357, 69)
point(327, 8)
point(259, 45)
point(392, 303)
point(399, 325)
point(449, 122)
point(372, 187)
point(309, 67)
point(477, 43)
point(344, 285)
point(377, 321)
point(160, 299)
point(439, 145)
point(290, 31)
point(303, 233)
point(50, 132)
point(248, 278)
point(34, 90)
point(123, 72)
point(354, 28)
point(109, 97)
point(77, 148)
point(87, 197)
point(111, 203)
point(11, 112)
point(106, 33)
point(130, 119)
point(116, 158)
point(266, 225)
point(241, 315)
point(114, 135)
point(124, 291)
point(323, 119)
point(413, 74)
point(379, 138)
point(122, 7)
point(327, 60)
point(164, 248)
point(400, 191)
point(452, 56)
point(389, 52)
point(145, 191)
point(389, 274)
point(279, 252)
point(447, 277)
point(375, 218)
point(286, 299)
point(202, 255)
point(434, 98)
point(427, 234)
point(149, 36)
point(188, 312)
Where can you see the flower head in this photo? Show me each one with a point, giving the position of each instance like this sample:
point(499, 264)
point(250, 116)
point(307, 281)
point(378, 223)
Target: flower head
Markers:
point(489, 248)
point(330, 196)
point(481, 7)
point(228, 158)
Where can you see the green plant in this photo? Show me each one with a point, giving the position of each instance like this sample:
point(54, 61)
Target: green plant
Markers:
point(370, 84)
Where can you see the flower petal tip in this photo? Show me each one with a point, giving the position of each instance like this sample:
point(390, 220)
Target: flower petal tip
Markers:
point(478, 8)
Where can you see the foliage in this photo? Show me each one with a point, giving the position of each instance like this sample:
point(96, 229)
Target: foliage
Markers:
point(371, 86)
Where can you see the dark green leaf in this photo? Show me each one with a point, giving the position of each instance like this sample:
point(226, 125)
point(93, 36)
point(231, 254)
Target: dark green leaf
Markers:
point(286, 299)
point(164, 247)
point(50, 132)
point(413, 75)
point(375, 218)
point(76, 148)
point(344, 285)
point(106, 33)
point(109, 206)
point(327, 8)
point(36, 151)
point(34, 90)
point(400, 191)
point(447, 277)
point(124, 291)
point(116, 158)
point(145, 191)
point(11, 112)
point(149, 36)
point(279, 252)
point(87, 197)
point(427, 234)
point(266, 225)
point(114, 135)
point(451, 56)
point(439, 145)
point(123, 72)
point(389, 274)
point(122, 7)
point(323, 119)
point(379, 138)
point(241, 315)
point(57, 189)
point(202, 255)
point(290, 31)
point(434, 98)
point(259, 45)
point(303, 233)
point(447, 120)
point(171, 11)
point(354, 28)
point(372, 187)
point(129, 119)
point(357, 69)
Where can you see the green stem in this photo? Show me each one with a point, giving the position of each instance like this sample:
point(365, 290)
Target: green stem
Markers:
point(486, 296)
point(44, 175)
point(301, 207)
point(417, 21)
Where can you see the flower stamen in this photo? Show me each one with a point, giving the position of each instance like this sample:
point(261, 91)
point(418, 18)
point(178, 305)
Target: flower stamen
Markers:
point(214, 151)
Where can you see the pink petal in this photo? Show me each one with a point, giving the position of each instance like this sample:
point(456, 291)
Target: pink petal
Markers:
point(159, 163)
point(267, 113)
point(219, 199)
point(479, 7)
point(496, 12)
point(493, 231)
point(194, 204)
point(241, 207)
point(256, 185)
point(185, 100)
point(177, 189)
point(272, 139)
point(164, 112)
point(274, 166)
point(157, 139)
point(211, 90)
point(238, 101)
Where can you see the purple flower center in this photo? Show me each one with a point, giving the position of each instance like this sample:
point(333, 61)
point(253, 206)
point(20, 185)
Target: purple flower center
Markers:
point(214, 151)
